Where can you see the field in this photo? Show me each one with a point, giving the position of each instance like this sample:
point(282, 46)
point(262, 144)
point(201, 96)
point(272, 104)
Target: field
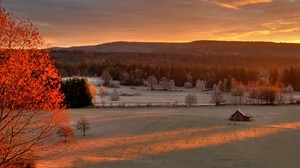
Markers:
point(143, 96)
point(181, 137)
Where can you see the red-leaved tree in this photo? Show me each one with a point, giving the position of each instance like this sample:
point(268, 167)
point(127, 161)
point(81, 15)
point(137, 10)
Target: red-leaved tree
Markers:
point(31, 106)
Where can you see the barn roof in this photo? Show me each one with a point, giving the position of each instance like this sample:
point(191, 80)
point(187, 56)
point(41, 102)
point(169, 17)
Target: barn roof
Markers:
point(241, 112)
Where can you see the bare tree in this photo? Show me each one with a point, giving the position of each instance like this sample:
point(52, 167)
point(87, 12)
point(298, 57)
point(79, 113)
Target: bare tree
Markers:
point(268, 94)
point(105, 75)
point(217, 96)
point(151, 82)
point(65, 131)
point(83, 125)
point(190, 100)
point(31, 104)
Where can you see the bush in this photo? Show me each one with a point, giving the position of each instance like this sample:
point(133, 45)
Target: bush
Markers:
point(151, 82)
point(65, 132)
point(190, 100)
point(114, 84)
point(27, 161)
point(77, 93)
point(188, 85)
point(115, 96)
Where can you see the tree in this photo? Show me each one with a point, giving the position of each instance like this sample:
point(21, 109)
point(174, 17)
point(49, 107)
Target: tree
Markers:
point(106, 77)
point(77, 93)
point(268, 93)
point(65, 131)
point(290, 91)
point(164, 83)
point(273, 75)
point(83, 125)
point(238, 91)
point(31, 103)
point(226, 85)
point(190, 100)
point(93, 92)
point(200, 85)
point(217, 96)
point(151, 82)
point(115, 96)
point(172, 84)
point(254, 91)
point(102, 93)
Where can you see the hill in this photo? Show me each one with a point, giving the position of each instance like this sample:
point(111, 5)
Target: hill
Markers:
point(196, 48)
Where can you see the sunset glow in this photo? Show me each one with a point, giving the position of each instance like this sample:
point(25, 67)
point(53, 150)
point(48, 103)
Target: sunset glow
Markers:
point(157, 143)
point(75, 22)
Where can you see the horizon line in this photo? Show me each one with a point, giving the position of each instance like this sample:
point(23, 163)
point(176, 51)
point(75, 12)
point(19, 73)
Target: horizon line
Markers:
point(176, 42)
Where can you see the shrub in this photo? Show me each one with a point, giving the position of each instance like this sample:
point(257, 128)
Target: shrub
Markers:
point(115, 96)
point(190, 100)
point(27, 161)
point(114, 84)
point(65, 131)
point(151, 82)
point(200, 85)
point(188, 85)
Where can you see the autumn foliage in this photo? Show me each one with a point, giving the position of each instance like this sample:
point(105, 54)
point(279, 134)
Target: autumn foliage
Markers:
point(30, 99)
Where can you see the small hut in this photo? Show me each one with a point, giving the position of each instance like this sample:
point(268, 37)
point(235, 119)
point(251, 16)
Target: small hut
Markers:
point(240, 116)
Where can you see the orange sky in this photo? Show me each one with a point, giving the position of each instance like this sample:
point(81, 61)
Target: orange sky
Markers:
point(78, 22)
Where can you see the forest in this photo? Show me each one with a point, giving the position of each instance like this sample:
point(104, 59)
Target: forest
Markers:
point(134, 68)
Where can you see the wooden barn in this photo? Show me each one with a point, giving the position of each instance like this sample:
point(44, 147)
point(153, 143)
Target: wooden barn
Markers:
point(240, 116)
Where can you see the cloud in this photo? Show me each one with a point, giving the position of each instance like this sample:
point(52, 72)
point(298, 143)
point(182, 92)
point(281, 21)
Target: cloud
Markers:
point(236, 4)
point(77, 22)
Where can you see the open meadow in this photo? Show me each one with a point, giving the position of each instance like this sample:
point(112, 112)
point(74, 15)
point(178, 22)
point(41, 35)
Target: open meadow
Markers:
point(150, 84)
point(181, 137)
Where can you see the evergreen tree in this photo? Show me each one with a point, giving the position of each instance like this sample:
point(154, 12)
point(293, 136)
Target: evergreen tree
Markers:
point(77, 93)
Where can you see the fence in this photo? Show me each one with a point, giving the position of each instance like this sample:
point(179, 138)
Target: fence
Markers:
point(147, 104)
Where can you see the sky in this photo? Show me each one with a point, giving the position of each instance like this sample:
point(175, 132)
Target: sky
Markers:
point(89, 22)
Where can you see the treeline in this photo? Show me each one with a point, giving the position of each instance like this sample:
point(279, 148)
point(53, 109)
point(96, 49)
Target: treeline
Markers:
point(260, 62)
point(134, 68)
point(211, 48)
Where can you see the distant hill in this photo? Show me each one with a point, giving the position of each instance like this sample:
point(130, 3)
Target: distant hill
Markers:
point(196, 48)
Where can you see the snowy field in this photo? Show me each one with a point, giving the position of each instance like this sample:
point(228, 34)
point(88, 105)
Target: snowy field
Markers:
point(182, 137)
point(142, 95)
